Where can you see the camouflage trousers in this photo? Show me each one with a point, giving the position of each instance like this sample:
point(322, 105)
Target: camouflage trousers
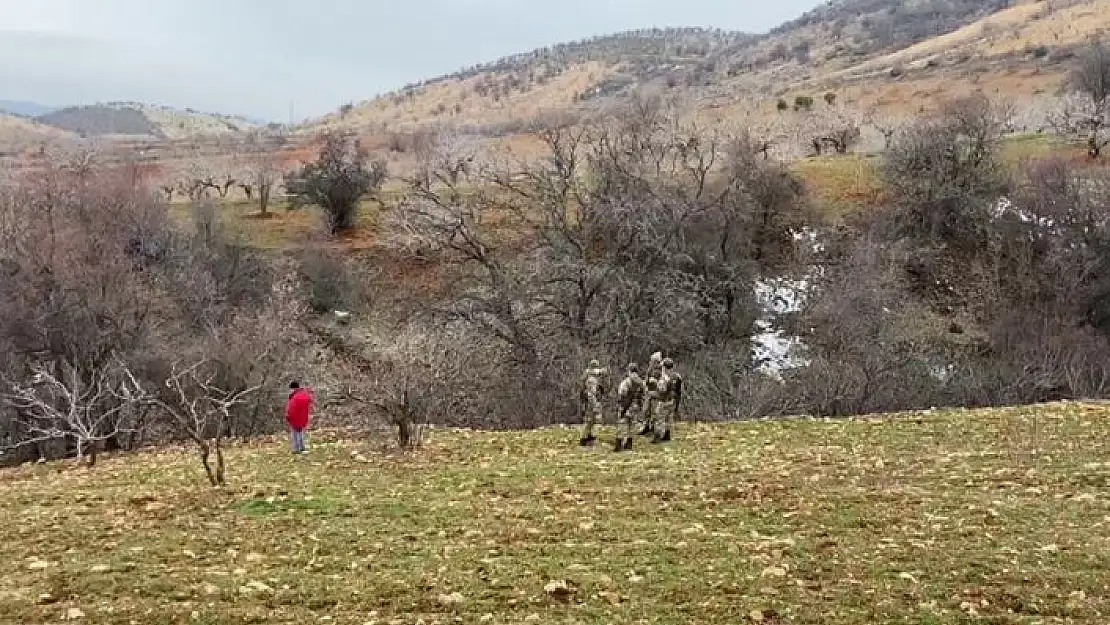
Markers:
point(662, 419)
point(626, 420)
point(650, 412)
point(593, 416)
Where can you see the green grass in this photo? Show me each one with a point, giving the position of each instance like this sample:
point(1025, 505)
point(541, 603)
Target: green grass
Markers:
point(994, 516)
point(1016, 148)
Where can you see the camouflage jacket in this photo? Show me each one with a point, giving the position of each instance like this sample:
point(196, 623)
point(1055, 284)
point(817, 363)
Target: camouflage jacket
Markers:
point(632, 388)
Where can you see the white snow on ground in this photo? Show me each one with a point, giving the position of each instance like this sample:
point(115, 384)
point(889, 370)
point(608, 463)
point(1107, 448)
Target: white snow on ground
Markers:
point(773, 350)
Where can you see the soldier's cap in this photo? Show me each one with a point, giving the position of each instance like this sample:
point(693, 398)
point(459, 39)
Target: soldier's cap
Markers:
point(594, 364)
point(633, 367)
point(668, 363)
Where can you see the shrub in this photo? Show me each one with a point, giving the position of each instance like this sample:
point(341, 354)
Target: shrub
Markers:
point(337, 181)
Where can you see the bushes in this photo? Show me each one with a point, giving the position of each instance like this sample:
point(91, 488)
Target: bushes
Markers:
point(331, 281)
point(104, 294)
point(337, 181)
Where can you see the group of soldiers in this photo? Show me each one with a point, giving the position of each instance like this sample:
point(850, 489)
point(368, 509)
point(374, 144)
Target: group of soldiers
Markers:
point(656, 396)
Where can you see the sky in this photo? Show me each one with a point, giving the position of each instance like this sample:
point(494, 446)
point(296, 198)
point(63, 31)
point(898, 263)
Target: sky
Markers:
point(257, 57)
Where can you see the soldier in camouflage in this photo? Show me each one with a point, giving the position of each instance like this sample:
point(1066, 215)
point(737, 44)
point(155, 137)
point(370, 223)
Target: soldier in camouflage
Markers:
point(655, 367)
point(631, 392)
point(592, 391)
point(668, 397)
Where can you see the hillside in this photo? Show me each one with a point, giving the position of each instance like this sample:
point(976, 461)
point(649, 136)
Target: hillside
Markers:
point(875, 53)
point(988, 516)
point(18, 134)
point(130, 119)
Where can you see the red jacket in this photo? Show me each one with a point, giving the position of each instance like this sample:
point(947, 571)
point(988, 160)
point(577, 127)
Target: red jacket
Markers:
point(297, 408)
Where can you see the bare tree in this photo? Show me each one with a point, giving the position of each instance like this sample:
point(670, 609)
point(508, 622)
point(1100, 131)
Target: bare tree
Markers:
point(62, 405)
point(944, 173)
point(834, 128)
point(888, 124)
point(260, 169)
point(1085, 111)
point(199, 408)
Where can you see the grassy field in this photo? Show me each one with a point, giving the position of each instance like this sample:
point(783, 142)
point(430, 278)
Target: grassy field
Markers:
point(995, 516)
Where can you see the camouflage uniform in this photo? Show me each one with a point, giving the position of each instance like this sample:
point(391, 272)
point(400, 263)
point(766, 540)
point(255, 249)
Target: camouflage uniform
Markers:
point(631, 392)
point(668, 395)
point(592, 391)
point(655, 366)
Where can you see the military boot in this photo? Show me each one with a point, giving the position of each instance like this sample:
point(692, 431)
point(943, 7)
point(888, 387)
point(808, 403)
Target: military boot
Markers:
point(628, 443)
point(667, 436)
point(647, 430)
point(588, 441)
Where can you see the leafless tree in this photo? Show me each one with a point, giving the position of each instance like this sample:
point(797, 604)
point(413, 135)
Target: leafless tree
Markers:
point(260, 168)
point(63, 403)
point(1086, 110)
point(199, 409)
point(944, 173)
point(835, 128)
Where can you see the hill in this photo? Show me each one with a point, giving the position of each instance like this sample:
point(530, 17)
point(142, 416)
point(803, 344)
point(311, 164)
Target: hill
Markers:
point(872, 53)
point(18, 134)
point(25, 109)
point(984, 516)
point(132, 119)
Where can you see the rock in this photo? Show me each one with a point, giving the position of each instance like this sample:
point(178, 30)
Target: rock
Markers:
point(455, 598)
point(532, 618)
point(74, 614)
point(908, 577)
point(47, 598)
point(612, 597)
point(38, 565)
point(100, 568)
point(559, 589)
point(254, 586)
point(774, 571)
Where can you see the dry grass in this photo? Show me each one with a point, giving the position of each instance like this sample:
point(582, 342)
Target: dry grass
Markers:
point(18, 134)
point(841, 185)
point(992, 516)
point(438, 102)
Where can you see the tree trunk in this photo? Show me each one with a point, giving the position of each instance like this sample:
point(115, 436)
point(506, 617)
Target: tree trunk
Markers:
point(263, 199)
point(205, 453)
point(220, 481)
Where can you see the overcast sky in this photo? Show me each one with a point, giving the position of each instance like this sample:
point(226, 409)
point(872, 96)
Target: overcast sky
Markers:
point(255, 56)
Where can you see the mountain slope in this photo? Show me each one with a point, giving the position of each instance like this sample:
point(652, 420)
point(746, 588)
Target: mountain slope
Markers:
point(874, 52)
point(18, 134)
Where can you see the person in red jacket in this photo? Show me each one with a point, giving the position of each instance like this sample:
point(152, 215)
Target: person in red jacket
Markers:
point(297, 414)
